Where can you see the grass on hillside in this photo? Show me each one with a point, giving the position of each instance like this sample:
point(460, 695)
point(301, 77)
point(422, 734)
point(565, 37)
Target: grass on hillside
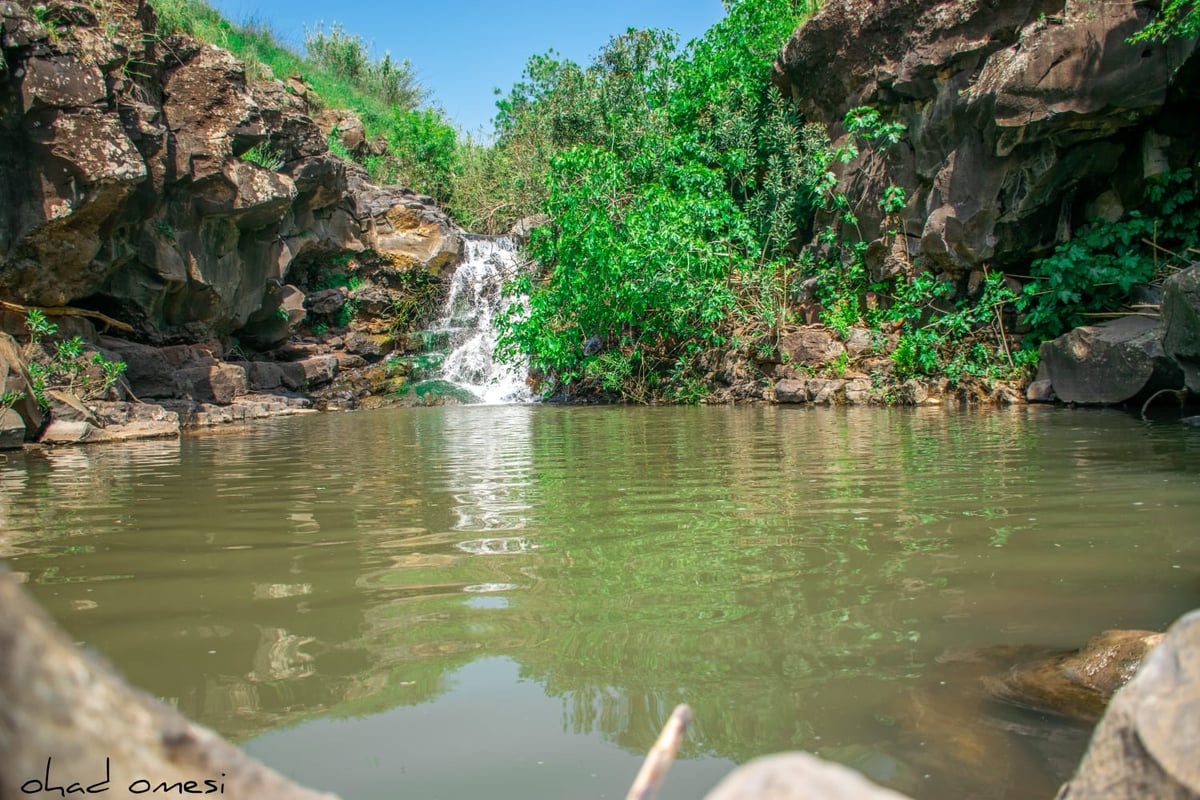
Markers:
point(338, 66)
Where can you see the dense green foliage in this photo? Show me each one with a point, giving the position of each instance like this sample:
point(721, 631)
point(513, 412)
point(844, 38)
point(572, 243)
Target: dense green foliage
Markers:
point(1095, 272)
point(1176, 18)
point(676, 183)
point(681, 187)
point(67, 366)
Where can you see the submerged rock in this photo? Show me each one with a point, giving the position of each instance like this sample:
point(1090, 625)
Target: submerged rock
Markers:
point(1077, 685)
point(1147, 743)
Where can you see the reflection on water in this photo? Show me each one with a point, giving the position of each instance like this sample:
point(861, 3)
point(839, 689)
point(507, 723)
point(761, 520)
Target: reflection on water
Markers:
point(515, 597)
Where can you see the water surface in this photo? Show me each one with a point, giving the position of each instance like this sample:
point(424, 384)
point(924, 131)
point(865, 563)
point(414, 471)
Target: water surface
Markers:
point(453, 602)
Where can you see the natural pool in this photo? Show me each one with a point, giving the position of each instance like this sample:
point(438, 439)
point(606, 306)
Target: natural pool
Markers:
point(453, 602)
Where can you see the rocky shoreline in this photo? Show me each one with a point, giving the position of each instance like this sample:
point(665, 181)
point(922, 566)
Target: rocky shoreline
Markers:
point(148, 181)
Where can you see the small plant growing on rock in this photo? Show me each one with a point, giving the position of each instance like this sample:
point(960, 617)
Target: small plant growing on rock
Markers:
point(263, 155)
point(67, 367)
point(10, 399)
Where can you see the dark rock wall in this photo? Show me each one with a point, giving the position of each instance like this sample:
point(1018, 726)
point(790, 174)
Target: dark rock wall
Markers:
point(123, 188)
point(1024, 116)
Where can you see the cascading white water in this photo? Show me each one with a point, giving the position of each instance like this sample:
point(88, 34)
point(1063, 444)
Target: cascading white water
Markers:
point(469, 318)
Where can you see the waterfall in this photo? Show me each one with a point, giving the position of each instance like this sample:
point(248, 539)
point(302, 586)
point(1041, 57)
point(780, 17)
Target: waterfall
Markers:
point(468, 319)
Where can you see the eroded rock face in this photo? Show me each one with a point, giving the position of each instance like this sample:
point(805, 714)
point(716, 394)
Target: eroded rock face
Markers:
point(1181, 323)
point(130, 181)
point(1019, 114)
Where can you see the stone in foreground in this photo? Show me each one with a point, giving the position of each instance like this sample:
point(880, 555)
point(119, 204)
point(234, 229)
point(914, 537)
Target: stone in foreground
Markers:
point(1148, 744)
point(791, 776)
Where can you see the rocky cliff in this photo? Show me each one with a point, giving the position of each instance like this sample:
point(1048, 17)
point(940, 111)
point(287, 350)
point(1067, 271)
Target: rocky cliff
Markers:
point(1024, 118)
point(143, 176)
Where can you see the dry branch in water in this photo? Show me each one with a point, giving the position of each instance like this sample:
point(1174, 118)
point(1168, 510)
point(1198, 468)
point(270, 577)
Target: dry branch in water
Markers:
point(654, 769)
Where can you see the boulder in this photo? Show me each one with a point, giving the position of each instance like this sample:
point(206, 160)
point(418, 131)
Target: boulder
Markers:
point(220, 383)
point(1079, 684)
point(790, 390)
point(12, 429)
point(402, 228)
point(1146, 744)
point(58, 700)
point(372, 347)
point(1110, 363)
point(792, 776)
point(14, 379)
point(1181, 323)
point(813, 346)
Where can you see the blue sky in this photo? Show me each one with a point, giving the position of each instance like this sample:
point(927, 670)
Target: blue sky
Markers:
point(463, 50)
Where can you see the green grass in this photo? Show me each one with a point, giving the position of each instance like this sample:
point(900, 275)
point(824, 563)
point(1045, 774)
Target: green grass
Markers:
point(343, 75)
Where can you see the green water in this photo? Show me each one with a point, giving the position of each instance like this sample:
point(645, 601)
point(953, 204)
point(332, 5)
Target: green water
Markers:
point(453, 602)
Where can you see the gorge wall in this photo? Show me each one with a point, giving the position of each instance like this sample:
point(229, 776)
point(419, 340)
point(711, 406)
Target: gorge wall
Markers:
point(1024, 119)
point(128, 189)
point(144, 176)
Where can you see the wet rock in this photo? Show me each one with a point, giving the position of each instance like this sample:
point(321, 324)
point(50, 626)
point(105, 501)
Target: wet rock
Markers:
point(1040, 391)
point(790, 776)
point(1110, 363)
point(12, 430)
point(114, 422)
point(372, 347)
point(197, 415)
point(790, 390)
point(858, 391)
point(1181, 323)
point(1146, 744)
point(1080, 684)
point(827, 392)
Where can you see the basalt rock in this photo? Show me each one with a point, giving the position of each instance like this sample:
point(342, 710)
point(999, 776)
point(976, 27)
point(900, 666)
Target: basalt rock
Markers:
point(1110, 363)
point(149, 178)
point(1077, 685)
point(1181, 323)
point(14, 379)
point(1020, 115)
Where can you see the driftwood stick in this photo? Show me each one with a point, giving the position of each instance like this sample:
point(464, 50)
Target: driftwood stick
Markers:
point(66, 311)
point(1180, 394)
point(658, 760)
